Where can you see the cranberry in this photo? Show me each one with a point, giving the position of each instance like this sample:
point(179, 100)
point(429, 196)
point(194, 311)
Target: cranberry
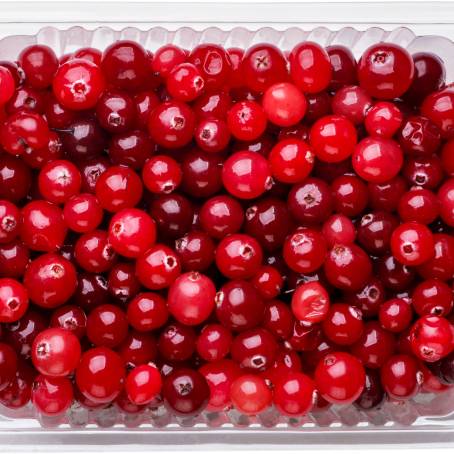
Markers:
point(246, 120)
point(349, 195)
point(400, 377)
point(446, 199)
point(268, 221)
point(18, 393)
point(13, 300)
point(212, 135)
point(91, 291)
point(439, 108)
point(310, 67)
point(352, 102)
point(24, 130)
point(145, 102)
point(373, 394)
point(412, 243)
point(214, 342)
point(268, 281)
point(441, 265)
point(431, 338)
point(347, 267)
point(395, 315)
point(143, 384)
point(386, 196)
point(185, 82)
point(125, 65)
point(166, 58)
point(177, 342)
point(333, 138)
point(115, 111)
point(219, 376)
point(100, 375)
point(278, 319)
point(385, 70)
point(383, 120)
point(59, 180)
point(213, 63)
point(57, 116)
point(284, 104)
point(393, 274)
point(52, 395)
point(7, 85)
point(39, 64)
point(238, 305)
point(374, 231)
point(161, 174)
point(447, 158)
point(432, 297)
point(82, 140)
point(202, 173)
point(310, 201)
point(26, 99)
point(419, 205)
point(117, 188)
point(419, 136)
point(305, 336)
point(294, 394)
point(444, 369)
point(70, 318)
point(14, 258)
point(10, 220)
point(310, 302)
point(8, 365)
point(426, 172)
point(56, 352)
point(78, 84)
point(138, 348)
point(15, 178)
point(90, 54)
point(377, 160)
point(304, 251)
point(212, 105)
point(186, 392)
point(429, 76)
point(291, 161)
point(338, 229)
point(82, 213)
point(50, 280)
point(343, 324)
point(340, 378)
point(196, 251)
point(147, 311)
point(250, 394)
point(93, 253)
point(343, 66)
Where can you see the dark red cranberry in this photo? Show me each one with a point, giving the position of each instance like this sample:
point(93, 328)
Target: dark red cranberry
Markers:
point(343, 66)
point(369, 298)
point(374, 231)
point(39, 64)
point(439, 108)
point(177, 342)
point(71, 318)
point(15, 178)
point(91, 170)
point(373, 394)
point(91, 291)
point(386, 196)
point(196, 251)
point(349, 195)
point(441, 265)
point(14, 258)
point(400, 377)
point(419, 136)
point(115, 111)
point(395, 315)
point(27, 99)
point(394, 275)
point(352, 102)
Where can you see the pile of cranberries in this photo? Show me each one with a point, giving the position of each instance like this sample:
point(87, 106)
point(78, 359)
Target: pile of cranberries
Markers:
point(223, 228)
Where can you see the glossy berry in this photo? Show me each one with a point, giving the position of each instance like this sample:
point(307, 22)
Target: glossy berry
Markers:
point(185, 82)
point(294, 394)
point(310, 302)
point(432, 297)
point(39, 64)
point(333, 138)
point(383, 120)
point(56, 352)
point(78, 84)
point(191, 298)
point(52, 395)
point(93, 252)
point(100, 375)
point(400, 377)
point(338, 229)
point(310, 67)
point(246, 120)
point(214, 342)
point(50, 280)
point(268, 281)
point(115, 111)
point(70, 318)
point(419, 136)
point(143, 384)
point(385, 70)
point(7, 85)
point(82, 213)
point(395, 315)
point(291, 161)
point(278, 319)
point(343, 66)
point(196, 251)
point(343, 324)
point(340, 378)
point(250, 394)
point(107, 326)
point(212, 134)
point(352, 102)
point(147, 311)
point(8, 365)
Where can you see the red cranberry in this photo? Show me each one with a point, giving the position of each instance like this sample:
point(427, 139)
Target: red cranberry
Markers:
point(400, 377)
point(377, 160)
point(15, 178)
point(171, 124)
point(419, 205)
point(143, 384)
point(91, 291)
point(18, 393)
point(52, 395)
point(214, 342)
point(369, 298)
point(82, 213)
point(57, 116)
point(117, 188)
point(13, 300)
point(213, 63)
point(431, 338)
point(56, 352)
point(185, 392)
point(385, 70)
point(419, 136)
point(220, 376)
point(161, 174)
point(70, 318)
point(10, 219)
point(343, 66)
point(340, 378)
point(424, 171)
point(439, 108)
point(246, 120)
point(333, 138)
point(125, 65)
point(383, 120)
point(395, 315)
point(115, 111)
point(8, 365)
point(310, 302)
point(305, 336)
point(7, 85)
point(278, 319)
point(374, 231)
point(177, 342)
point(393, 274)
point(122, 282)
point(59, 180)
point(446, 199)
point(147, 312)
point(14, 258)
point(373, 393)
point(432, 297)
point(26, 99)
point(158, 267)
point(93, 253)
point(191, 298)
point(349, 195)
point(166, 58)
point(310, 201)
point(90, 54)
point(250, 394)
point(284, 104)
point(212, 105)
point(39, 64)
point(196, 251)
point(347, 267)
point(352, 102)
point(50, 280)
point(212, 134)
point(291, 161)
point(78, 84)
point(343, 324)
point(310, 67)
point(100, 375)
point(441, 265)
point(268, 281)
point(294, 394)
point(145, 102)
point(238, 305)
point(138, 348)
point(338, 229)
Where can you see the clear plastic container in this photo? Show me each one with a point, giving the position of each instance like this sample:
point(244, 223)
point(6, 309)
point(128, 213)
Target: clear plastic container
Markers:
point(427, 419)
